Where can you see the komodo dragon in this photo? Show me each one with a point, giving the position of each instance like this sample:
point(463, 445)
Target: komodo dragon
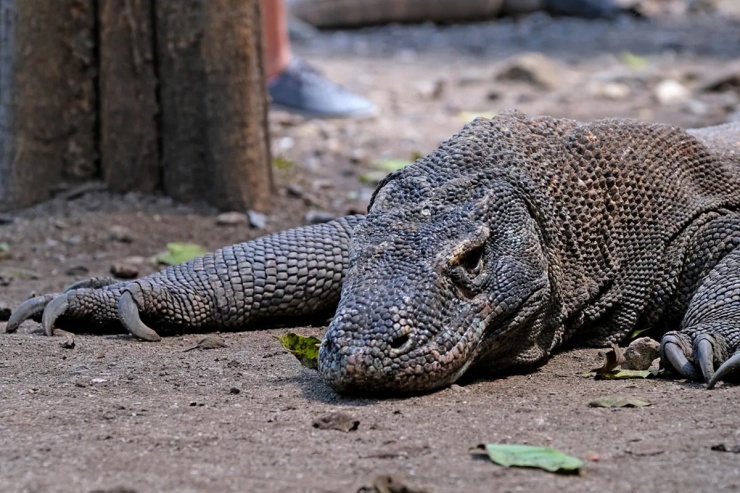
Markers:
point(515, 236)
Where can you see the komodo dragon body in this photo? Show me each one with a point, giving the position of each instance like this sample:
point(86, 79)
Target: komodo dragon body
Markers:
point(513, 237)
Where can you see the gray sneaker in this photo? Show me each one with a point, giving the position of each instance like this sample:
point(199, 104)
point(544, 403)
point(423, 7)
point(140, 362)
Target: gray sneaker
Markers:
point(302, 89)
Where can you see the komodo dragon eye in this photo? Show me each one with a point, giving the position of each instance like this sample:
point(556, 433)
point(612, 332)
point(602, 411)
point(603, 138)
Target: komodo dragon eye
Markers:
point(467, 265)
point(472, 260)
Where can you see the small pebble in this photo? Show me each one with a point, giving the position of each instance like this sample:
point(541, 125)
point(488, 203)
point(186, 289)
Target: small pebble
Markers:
point(318, 217)
point(256, 219)
point(77, 270)
point(231, 218)
point(68, 344)
point(120, 233)
point(124, 270)
point(5, 312)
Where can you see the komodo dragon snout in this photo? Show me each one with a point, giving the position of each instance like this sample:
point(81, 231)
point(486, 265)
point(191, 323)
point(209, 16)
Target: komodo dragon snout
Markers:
point(436, 286)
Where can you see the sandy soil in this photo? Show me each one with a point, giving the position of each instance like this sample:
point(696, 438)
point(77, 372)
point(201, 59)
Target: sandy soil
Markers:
point(112, 414)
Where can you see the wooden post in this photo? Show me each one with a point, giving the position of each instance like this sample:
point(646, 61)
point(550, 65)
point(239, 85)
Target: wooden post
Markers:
point(47, 97)
point(213, 103)
point(129, 154)
point(180, 101)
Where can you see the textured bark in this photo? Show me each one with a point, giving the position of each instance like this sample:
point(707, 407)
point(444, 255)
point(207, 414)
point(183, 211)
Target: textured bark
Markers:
point(213, 102)
point(128, 96)
point(47, 97)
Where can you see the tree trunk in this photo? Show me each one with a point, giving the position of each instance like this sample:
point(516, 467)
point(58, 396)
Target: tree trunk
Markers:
point(213, 102)
point(47, 97)
point(179, 103)
point(129, 154)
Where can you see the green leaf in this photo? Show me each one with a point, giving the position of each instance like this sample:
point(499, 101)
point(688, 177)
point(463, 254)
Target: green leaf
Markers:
point(626, 374)
point(178, 253)
point(305, 348)
point(282, 163)
point(372, 177)
point(4, 247)
point(391, 164)
point(549, 459)
point(636, 333)
point(618, 401)
point(633, 61)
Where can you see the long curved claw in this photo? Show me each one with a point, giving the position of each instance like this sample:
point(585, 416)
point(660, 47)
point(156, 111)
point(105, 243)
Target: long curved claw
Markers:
point(705, 357)
point(30, 308)
point(676, 357)
point(729, 367)
point(54, 310)
point(128, 314)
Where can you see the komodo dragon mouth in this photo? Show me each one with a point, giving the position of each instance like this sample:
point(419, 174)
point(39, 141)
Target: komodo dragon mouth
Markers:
point(414, 363)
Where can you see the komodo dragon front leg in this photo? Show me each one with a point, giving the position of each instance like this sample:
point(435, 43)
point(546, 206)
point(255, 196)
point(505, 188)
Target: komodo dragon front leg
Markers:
point(294, 272)
point(710, 331)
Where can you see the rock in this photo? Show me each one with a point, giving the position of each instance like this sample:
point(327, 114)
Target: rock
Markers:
point(337, 421)
point(5, 312)
point(611, 90)
point(6, 219)
point(77, 270)
point(294, 190)
point(390, 484)
point(256, 219)
point(120, 233)
point(124, 270)
point(73, 240)
point(640, 354)
point(431, 89)
point(68, 344)
point(231, 218)
point(671, 91)
point(318, 217)
point(533, 68)
point(726, 80)
point(358, 156)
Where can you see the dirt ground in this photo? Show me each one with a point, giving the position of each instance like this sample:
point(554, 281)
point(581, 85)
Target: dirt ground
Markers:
point(113, 414)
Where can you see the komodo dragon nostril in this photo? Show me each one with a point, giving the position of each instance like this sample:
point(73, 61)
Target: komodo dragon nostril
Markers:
point(401, 344)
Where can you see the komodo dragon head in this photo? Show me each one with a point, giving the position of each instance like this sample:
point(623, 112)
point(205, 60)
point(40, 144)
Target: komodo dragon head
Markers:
point(447, 271)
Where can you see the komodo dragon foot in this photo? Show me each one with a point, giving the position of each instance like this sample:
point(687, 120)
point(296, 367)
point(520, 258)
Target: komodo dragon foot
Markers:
point(709, 337)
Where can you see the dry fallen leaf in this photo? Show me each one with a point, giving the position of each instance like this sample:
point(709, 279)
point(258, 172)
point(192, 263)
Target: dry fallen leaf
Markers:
point(619, 401)
point(612, 359)
point(208, 342)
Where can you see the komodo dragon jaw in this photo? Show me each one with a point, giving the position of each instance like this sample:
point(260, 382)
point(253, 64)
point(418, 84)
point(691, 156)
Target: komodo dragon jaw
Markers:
point(436, 286)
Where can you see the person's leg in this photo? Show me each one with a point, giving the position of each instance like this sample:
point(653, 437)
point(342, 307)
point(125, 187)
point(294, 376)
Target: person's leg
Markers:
point(294, 85)
point(276, 41)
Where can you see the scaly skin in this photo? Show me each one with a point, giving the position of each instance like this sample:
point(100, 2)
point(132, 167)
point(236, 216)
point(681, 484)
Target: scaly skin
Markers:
point(513, 237)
